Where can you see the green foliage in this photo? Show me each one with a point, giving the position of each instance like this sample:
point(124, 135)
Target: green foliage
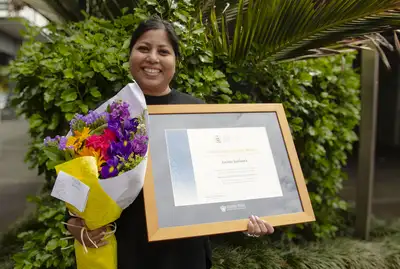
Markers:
point(287, 29)
point(321, 99)
point(340, 253)
point(85, 63)
point(47, 244)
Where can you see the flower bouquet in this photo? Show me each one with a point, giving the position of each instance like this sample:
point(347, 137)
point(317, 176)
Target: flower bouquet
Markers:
point(105, 154)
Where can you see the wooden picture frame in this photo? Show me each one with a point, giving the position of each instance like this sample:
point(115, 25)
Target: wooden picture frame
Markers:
point(157, 232)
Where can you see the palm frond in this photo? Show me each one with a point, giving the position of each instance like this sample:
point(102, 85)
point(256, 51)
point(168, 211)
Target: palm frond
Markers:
point(286, 29)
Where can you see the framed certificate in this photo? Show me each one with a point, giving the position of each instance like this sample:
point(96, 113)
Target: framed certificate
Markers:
point(212, 166)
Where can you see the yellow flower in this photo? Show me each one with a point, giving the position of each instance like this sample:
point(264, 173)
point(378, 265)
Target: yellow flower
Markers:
point(84, 134)
point(91, 152)
point(79, 137)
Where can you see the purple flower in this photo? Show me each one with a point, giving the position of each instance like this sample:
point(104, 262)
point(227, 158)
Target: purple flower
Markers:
point(131, 125)
point(139, 145)
point(110, 169)
point(51, 142)
point(94, 118)
point(77, 122)
point(114, 125)
point(122, 149)
point(48, 140)
point(123, 135)
point(62, 143)
point(119, 111)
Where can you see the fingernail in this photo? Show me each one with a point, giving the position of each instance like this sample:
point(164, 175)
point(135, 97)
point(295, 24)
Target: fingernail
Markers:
point(257, 218)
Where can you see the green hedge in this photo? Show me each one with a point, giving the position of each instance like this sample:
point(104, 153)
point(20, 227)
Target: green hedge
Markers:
point(341, 253)
point(85, 62)
point(382, 252)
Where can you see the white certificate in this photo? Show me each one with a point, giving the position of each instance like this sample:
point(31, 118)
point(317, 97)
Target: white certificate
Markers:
point(232, 164)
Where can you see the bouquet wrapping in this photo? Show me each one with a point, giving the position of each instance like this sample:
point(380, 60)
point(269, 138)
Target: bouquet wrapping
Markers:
point(105, 151)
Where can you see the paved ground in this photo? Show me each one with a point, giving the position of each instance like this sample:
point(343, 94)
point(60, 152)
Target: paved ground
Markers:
point(16, 180)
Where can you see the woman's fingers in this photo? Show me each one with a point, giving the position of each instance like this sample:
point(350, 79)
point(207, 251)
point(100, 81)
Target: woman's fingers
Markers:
point(97, 238)
point(97, 232)
point(269, 227)
point(78, 229)
point(102, 243)
point(250, 227)
point(262, 228)
point(257, 228)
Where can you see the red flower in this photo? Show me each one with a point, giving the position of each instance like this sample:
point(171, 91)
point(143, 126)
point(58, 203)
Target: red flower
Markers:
point(109, 135)
point(101, 142)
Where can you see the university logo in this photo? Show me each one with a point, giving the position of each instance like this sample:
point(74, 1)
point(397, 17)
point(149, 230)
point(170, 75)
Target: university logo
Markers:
point(226, 208)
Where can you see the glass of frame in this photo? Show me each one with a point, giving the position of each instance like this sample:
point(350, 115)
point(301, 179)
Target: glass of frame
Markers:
point(212, 166)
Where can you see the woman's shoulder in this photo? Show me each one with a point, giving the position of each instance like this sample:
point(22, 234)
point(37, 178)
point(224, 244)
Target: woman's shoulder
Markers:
point(179, 97)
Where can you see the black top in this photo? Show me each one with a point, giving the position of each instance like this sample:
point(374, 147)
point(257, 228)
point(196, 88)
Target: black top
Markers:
point(134, 250)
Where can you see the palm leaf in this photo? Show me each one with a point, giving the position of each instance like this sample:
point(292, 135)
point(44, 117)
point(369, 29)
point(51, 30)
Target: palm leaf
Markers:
point(286, 29)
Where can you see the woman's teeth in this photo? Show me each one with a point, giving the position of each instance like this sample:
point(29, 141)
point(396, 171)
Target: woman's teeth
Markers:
point(150, 70)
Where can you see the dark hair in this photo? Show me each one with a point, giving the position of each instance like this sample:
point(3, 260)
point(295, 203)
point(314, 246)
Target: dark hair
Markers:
point(156, 23)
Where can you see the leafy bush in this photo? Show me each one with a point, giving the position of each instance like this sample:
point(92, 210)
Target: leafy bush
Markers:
point(341, 253)
point(49, 245)
point(86, 62)
point(322, 104)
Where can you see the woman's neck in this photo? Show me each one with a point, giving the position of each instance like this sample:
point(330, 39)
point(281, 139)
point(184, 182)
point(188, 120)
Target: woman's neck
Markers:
point(157, 93)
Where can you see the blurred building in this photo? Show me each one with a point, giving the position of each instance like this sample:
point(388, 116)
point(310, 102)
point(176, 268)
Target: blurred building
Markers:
point(10, 39)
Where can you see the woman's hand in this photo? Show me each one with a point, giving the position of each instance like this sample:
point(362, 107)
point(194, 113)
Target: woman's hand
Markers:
point(258, 227)
point(75, 226)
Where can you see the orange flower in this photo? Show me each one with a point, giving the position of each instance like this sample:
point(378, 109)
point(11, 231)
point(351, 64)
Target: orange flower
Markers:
point(78, 138)
point(95, 153)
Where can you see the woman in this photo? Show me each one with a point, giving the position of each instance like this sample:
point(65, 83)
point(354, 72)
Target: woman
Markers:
point(154, 50)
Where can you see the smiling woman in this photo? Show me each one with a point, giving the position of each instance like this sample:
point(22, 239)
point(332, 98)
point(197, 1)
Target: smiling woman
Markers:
point(154, 50)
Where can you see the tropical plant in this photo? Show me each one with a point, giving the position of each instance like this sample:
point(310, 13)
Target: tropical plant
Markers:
point(278, 30)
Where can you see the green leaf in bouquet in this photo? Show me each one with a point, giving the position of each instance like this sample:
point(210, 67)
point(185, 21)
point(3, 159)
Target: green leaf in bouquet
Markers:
point(53, 153)
point(99, 130)
point(69, 155)
point(50, 165)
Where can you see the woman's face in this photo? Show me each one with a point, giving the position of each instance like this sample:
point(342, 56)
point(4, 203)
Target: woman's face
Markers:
point(152, 62)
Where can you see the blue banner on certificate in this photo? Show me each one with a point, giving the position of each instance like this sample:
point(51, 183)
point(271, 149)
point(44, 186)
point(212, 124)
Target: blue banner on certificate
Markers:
point(215, 165)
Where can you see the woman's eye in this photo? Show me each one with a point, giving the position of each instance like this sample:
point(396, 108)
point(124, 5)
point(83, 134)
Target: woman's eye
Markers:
point(143, 49)
point(164, 52)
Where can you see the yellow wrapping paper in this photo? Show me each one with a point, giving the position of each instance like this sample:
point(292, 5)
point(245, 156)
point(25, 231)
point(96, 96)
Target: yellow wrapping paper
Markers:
point(100, 211)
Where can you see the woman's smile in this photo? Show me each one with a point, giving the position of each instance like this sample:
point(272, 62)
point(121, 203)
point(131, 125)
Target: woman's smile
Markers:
point(151, 72)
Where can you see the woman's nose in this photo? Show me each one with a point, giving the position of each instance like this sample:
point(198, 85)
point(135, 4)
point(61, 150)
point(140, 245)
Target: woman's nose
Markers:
point(153, 57)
